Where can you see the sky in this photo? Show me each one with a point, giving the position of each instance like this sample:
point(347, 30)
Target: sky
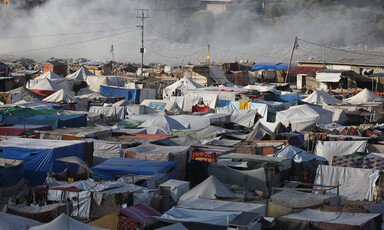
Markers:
point(173, 35)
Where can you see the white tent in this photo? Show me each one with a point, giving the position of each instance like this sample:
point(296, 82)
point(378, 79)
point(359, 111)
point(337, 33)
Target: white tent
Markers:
point(304, 117)
point(9, 221)
point(164, 123)
point(211, 188)
point(48, 75)
point(261, 128)
point(298, 155)
point(263, 88)
point(329, 149)
point(81, 74)
point(365, 96)
point(161, 106)
point(184, 83)
point(61, 95)
point(62, 222)
point(45, 84)
point(320, 97)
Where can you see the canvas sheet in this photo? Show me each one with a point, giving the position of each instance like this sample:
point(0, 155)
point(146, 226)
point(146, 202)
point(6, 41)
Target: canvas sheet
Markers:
point(329, 149)
point(304, 114)
point(94, 82)
point(198, 216)
point(244, 118)
point(119, 112)
point(356, 219)
point(355, 184)
point(221, 205)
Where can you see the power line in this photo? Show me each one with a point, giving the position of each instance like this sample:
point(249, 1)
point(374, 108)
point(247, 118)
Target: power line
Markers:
point(178, 57)
point(344, 50)
point(63, 34)
point(68, 44)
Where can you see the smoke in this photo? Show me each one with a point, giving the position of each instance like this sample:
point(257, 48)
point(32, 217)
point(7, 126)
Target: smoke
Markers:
point(177, 32)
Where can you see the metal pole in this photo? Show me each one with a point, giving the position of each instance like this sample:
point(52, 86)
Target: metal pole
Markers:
point(142, 41)
point(290, 60)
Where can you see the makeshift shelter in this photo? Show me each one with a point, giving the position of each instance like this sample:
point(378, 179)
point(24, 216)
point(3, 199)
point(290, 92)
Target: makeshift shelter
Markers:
point(9, 221)
point(182, 84)
point(21, 129)
point(118, 112)
point(110, 221)
point(263, 130)
point(131, 95)
point(54, 121)
point(364, 97)
point(48, 75)
point(62, 96)
point(81, 74)
point(135, 216)
point(329, 149)
point(320, 97)
point(147, 151)
point(42, 214)
point(161, 106)
point(253, 172)
point(176, 188)
point(218, 76)
point(40, 156)
point(304, 117)
point(211, 188)
point(309, 219)
point(263, 88)
point(45, 87)
point(65, 222)
point(11, 171)
point(120, 166)
point(355, 183)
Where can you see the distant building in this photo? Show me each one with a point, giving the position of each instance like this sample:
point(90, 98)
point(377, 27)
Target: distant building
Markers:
point(56, 67)
point(23, 3)
point(4, 70)
point(97, 67)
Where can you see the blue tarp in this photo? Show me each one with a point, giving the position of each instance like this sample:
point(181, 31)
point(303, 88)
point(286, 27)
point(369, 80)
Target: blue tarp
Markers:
point(55, 121)
point(223, 103)
point(268, 65)
point(120, 166)
point(10, 175)
point(39, 161)
point(131, 95)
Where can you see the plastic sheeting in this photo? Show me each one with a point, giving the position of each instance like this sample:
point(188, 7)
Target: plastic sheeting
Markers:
point(81, 74)
point(40, 156)
point(118, 166)
point(244, 118)
point(55, 121)
point(262, 128)
point(162, 106)
point(270, 65)
point(355, 183)
point(262, 109)
point(298, 155)
point(337, 218)
point(191, 99)
point(320, 97)
point(131, 95)
point(297, 199)
point(263, 88)
point(11, 171)
point(9, 221)
point(62, 95)
point(103, 150)
point(329, 149)
point(94, 82)
point(118, 112)
point(221, 205)
point(211, 188)
point(176, 187)
point(182, 84)
point(365, 96)
point(62, 222)
point(303, 117)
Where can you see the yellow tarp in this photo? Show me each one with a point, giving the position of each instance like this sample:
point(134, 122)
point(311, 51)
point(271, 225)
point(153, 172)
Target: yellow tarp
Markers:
point(108, 222)
point(244, 105)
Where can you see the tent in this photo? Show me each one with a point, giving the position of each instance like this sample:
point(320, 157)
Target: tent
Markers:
point(9, 221)
point(218, 76)
point(120, 166)
point(263, 88)
point(45, 87)
point(81, 74)
point(315, 219)
point(149, 151)
point(355, 183)
point(182, 84)
point(33, 104)
point(298, 155)
point(40, 156)
point(62, 96)
point(161, 106)
point(11, 171)
point(320, 97)
point(55, 121)
point(365, 96)
point(136, 215)
point(164, 123)
point(65, 222)
point(329, 149)
point(48, 75)
point(211, 188)
point(264, 129)
point(304, 117)
point(131, 95)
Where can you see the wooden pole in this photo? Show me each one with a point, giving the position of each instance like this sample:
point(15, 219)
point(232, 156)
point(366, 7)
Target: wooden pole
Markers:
point(290, 60)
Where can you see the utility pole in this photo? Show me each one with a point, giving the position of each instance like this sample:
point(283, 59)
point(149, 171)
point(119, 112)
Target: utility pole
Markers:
point(143, 14)
point(208, 57)
point(290, 60)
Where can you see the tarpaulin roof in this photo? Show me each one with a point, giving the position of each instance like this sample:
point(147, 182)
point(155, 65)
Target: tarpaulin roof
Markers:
point(269, 65)
point(118, 166)
point(139, 212)
point(55, 121)
point(62, 96)
point(40, 155)
point(48, 75)
point(297, 154)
